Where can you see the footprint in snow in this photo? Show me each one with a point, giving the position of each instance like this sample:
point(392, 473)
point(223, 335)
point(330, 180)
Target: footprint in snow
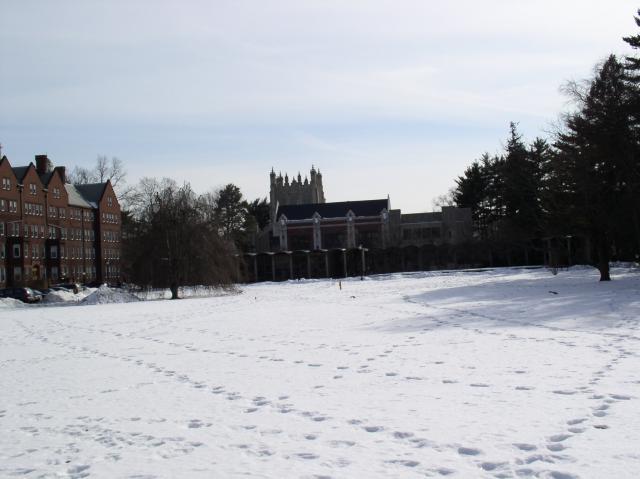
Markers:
point(557, 447)
point(342, 443)
point(492, 466)
point(443, 471)
point(620, 397)
point(525, 447)
point(404, 462)
point(373, 428)
point(564, 392)
point(573, 422)
point(307, 455)
point(468, 451)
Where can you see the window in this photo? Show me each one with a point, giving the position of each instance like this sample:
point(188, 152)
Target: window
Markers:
point(62, 212)
point(16, 229)
point(13, 206)
point(41, 227)
point(32, 189)
point(56, 192)
point(3, 274)
point(1, 228)
point(54, 272)
point(109, 201)
point(3, 205)
point(53, 252)
point(2, 255)
point(17, 273)
point(6, 183)
point(16, 250)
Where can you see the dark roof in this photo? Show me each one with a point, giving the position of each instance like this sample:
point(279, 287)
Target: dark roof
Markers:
point(46, 178)
point(92, 191)
point(20, 172)
point(76, 198)
point(333, 210)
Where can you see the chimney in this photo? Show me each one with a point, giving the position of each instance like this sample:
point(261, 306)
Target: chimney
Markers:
point(63, 173)
point(43, 164)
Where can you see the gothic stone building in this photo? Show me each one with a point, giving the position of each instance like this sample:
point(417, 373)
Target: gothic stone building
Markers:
point(281, 192)
point(52, 231)
point(301, 219)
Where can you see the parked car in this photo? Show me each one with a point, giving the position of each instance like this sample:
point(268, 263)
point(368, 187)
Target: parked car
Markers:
point(75, 287)
point(40, 293)
point(26, 295)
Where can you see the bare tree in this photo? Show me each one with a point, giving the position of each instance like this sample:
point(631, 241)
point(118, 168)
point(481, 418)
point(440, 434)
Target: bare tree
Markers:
point(446, 199)
point(171, 243)
point(104, 169)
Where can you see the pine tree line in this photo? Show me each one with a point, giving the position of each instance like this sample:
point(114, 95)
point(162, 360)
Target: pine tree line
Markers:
point(583, 183)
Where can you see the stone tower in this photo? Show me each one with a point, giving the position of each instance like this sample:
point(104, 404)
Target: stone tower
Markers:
point(298, 192)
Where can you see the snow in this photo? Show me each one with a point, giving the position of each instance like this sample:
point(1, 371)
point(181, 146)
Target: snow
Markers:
point(499, 373)
point(106, 295)
point(10, 303)
point(58, 297)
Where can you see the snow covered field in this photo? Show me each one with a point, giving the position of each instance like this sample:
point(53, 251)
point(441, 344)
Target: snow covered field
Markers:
point(485, 374)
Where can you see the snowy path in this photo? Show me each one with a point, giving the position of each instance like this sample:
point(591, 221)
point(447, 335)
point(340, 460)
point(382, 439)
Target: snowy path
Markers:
point(460, 375)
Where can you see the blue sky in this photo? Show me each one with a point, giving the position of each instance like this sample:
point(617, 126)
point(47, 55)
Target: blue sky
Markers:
point(386, 97)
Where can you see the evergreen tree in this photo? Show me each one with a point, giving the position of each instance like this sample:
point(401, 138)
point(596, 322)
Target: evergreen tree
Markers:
point(521, 175)
point(633, 63)
point(598, 149)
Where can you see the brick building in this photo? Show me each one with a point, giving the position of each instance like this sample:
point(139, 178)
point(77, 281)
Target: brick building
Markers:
point(52, 231)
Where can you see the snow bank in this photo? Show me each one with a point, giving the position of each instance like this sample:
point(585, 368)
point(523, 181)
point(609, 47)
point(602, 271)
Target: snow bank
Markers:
point(105, 294)
point(56, 297)
point(8, 303)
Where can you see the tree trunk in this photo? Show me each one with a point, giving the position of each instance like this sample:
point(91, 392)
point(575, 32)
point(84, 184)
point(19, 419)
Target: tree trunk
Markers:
point(603, 258)
point(603, 267)
point(174, 291)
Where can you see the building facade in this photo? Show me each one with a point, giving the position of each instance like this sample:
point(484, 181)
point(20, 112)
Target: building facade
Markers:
point(301, 219)
point(52, 231)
